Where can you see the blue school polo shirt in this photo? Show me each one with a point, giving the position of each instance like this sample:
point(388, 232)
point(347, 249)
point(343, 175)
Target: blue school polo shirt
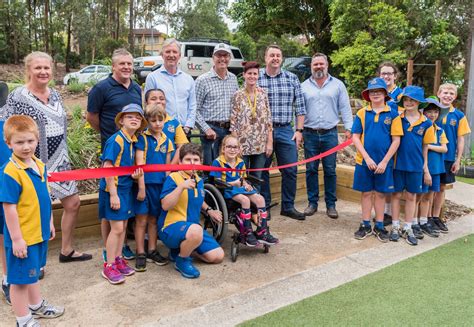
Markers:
point(376, 131)
point(189, 203)
point(228, 176)
point(394, 93)
point(454, 124)
point(410, 153)
point(23, 186)
point(174, 131)
point(119, 149)
point(154, 152)
point(107, 98)
point(436, 159)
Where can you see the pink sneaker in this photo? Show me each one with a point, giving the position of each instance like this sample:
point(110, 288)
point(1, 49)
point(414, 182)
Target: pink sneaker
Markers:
point(123, 267)
point(111, 273)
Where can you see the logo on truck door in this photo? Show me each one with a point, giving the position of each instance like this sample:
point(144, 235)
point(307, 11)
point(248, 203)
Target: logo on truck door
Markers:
point(192, 66)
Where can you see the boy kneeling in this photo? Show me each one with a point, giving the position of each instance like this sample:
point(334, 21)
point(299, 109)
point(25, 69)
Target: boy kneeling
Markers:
point(182, 198)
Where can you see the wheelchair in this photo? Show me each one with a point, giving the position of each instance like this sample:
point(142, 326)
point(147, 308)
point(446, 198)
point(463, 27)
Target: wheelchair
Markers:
point(214, 189)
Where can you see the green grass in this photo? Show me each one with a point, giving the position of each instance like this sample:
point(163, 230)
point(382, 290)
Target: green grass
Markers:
point(465, 180)
point(435, 288)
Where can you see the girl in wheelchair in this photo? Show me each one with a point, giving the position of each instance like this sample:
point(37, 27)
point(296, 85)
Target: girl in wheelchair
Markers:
point(243, 193)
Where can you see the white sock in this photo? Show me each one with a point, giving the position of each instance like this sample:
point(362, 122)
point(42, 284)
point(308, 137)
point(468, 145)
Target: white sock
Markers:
point(388, 209)
point(407, 226)
point(423, 220)
point(5, 281)
point(36, 306)
point(414, 221)
point(23, 320)
point(396, 223)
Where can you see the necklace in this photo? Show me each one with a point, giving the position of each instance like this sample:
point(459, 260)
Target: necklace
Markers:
point(253, 107)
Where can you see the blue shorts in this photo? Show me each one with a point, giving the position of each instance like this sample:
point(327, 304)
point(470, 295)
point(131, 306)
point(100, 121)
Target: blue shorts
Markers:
point(126, 205)
point(2, 221)
point(152, 203)
point(27, 270)
point(448, 177)
point(174, 234)
point(435, 184)
point(365, 180)
point(406, 180)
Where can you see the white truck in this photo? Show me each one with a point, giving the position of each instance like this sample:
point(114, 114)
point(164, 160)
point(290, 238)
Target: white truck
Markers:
point(196, 59)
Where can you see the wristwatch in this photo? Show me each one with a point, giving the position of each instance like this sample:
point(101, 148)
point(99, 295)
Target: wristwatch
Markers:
point(299, 130)
point(207, 209)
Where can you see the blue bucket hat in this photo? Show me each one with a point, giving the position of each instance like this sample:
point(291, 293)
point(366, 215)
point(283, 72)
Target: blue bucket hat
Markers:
point(132, 108)
point(432, 102)
point(376, 83)
point(413, 92)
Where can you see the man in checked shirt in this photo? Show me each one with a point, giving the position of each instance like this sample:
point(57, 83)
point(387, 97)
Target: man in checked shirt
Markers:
point(284, 94)
point(214, 91)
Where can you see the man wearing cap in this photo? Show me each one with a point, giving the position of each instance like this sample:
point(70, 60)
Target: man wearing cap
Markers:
point(214, 91)
point(284, 94)
point(178, 86)
point(107, 98)
point(325, 98)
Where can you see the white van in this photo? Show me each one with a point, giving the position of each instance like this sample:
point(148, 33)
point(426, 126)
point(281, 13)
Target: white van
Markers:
point(196, 59)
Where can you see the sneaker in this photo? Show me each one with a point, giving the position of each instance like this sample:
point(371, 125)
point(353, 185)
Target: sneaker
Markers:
point(263, 236)
point(428, 230)
point(387, 219)
point(417, 231)
point(140, 262)
point(434, 226)
point(47, 310)
point(395, 234)
point(123, 267)
point(111, 273)
point(6, 293)
point(381, 234)
point(32, 322)
point(409, 236)
point(173, 254)
point(441, 225)
point(127, 253)
point(156, 258)
point(41, 274)
point(104, 255)
point(186, 268)
point(363, 232)
point(250, 239)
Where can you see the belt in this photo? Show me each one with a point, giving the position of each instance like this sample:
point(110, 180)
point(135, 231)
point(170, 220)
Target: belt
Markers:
point(319, 131)
point(221, 124)
point(281, 124)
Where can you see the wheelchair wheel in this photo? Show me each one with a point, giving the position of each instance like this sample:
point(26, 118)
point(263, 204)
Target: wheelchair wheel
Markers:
point(234, 248)
point(215, 200)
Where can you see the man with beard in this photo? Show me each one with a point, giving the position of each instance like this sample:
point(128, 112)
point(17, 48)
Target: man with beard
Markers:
point(214, 91)
point(325, 98)
point(284, 94)
point(177, 85)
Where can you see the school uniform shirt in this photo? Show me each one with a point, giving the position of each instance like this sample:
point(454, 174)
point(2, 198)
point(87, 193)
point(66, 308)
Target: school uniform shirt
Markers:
point(454, 124)
point(188, 207)
point(23, 186)
point(410, 153)
point(154, 152)
point(120, 150)
point(174, 131)
point(376, 131)
point(231, 176)
point(394, 93)
point(436, 159)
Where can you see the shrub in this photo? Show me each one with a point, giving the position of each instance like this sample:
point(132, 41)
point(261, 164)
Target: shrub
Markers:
point(76, 87)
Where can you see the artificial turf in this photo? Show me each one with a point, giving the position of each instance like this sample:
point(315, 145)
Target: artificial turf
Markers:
point(435, 288)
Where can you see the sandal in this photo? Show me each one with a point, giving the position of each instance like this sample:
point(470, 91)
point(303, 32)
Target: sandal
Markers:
point(69, 258)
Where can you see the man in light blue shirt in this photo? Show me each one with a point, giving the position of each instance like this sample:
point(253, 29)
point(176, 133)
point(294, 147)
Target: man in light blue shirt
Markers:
point(178, 86)
point(325, 99)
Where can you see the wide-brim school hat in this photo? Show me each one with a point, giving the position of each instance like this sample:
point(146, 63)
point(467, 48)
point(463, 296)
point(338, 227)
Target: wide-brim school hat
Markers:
point(413, 92)
point(432, 102)
point(131, 108)
point(376, 83)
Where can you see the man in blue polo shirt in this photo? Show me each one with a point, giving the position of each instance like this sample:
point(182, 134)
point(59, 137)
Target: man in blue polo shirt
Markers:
point(108, 97)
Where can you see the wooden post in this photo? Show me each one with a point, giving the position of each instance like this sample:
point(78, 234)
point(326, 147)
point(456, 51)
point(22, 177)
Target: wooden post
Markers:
point(437, 77)
point(410, 72)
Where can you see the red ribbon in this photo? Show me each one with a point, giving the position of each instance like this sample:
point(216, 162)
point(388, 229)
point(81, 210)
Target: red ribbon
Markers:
point(91, 173)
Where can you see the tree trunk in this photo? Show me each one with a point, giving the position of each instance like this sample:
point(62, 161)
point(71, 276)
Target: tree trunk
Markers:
point(117, 17)
point(30, 27)
point(68, 42)
point(131, 26)
point(46, 26)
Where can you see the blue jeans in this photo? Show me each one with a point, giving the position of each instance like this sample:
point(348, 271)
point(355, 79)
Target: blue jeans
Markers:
point(285, 150)
point(255, 161)
point(315, 144)
point(211, 148)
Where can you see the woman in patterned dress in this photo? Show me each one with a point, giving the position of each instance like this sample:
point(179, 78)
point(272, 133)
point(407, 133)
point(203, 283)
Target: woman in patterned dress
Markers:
point(251, 120)
point(45, 106)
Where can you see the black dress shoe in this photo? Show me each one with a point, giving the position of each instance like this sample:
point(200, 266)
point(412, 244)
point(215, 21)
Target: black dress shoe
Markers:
point(293, 214)
point(310, 210)
point(332, 213)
